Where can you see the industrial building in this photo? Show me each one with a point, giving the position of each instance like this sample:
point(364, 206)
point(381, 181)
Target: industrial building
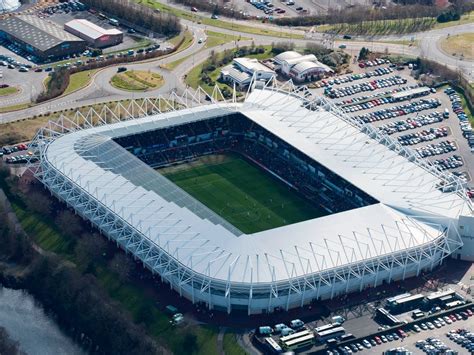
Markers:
point(40, 38)
point(242, 70)
point(416, 215)
point(300, 67)
point(94, 35)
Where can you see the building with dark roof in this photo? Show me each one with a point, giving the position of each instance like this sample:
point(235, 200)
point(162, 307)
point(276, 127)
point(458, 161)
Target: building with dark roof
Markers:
point(96, 36)
point(40, 38)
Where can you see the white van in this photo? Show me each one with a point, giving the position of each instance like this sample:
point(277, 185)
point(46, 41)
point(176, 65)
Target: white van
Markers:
point(265, 330)
point(287, 331)
point(279, 327)
point(296, 323)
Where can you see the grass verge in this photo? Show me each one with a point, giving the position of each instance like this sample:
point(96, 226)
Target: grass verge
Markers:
point(381, 27)
point(242, 193)
point(218, 23)
point(15, 107)
point(186, 43)
point(172, 65)
point(230, 347)
point(79, 80)
point(216, 38)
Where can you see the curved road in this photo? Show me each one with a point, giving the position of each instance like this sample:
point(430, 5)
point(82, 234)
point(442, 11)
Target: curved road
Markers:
point(101, 91)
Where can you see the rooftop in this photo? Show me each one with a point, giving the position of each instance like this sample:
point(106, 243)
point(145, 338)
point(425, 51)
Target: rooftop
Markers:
point(39, 33)
point(252, 64)
point(90, 29)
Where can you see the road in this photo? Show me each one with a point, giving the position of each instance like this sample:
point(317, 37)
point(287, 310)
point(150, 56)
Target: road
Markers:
point(101, 91)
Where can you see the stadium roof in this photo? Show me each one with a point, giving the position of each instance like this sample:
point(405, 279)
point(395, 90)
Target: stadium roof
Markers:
point(412, 213)
point(90, 29)
point(36, 32)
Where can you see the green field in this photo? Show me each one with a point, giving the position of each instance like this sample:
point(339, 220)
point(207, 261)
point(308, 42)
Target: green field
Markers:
point(241, 193)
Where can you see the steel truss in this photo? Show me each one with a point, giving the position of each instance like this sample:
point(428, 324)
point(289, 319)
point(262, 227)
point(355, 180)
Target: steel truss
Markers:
point(224, 294)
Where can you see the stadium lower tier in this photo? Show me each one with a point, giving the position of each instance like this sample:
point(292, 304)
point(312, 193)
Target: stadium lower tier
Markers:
point(235, 133)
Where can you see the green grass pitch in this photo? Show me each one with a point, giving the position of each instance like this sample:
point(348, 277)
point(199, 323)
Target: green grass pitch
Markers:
point(241, 193)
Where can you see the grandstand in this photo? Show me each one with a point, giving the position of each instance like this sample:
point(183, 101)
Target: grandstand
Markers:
point(385, 215)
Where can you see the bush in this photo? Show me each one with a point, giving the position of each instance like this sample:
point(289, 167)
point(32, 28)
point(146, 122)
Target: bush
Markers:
point(450, 15)
point(57, 84)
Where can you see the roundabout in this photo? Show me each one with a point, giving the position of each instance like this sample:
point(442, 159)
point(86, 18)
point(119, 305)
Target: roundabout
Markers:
point(137, 80)
point(459, 45)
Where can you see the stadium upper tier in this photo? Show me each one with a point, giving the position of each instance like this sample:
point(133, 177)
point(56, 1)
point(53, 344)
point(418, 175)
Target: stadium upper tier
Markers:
point(411, 227)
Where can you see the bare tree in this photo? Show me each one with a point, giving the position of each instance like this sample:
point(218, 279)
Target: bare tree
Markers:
point(122, 265)
point(69, 223)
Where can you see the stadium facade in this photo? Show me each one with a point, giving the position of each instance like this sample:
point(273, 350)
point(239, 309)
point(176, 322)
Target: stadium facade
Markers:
point(403, 216)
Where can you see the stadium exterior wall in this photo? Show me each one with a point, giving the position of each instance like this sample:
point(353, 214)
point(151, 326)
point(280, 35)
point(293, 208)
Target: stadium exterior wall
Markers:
point(226, 296)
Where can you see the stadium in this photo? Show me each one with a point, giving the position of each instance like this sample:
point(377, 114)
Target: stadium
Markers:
point(256, 206)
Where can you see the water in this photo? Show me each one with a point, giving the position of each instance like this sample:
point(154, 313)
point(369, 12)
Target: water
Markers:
point(27, 323)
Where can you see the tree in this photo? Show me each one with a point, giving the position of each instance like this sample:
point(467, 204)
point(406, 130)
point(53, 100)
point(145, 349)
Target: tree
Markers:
point(39, 202)
point(363, 53)
point(190, 343)
point(90, 249)
point(122, 265)
point(69, 223)
point(7, 345)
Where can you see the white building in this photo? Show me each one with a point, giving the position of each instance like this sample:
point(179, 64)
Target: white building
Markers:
point(96, 36)
point(242, 70)
point(300, 67)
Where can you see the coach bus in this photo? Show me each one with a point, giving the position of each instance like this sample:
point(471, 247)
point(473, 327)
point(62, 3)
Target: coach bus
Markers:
point(273, 346)
point(386, 317)
point(330, 334)
point(407, 303)
point(298, 340)
point(434, 298)
point(454, 304)
point(326, 327)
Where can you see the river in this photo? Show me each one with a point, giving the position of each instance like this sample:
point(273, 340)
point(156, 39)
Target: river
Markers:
point(27, 323)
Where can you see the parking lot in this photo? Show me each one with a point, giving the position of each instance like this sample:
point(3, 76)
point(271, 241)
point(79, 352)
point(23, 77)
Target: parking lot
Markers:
point(415, 339)
point(427, 120)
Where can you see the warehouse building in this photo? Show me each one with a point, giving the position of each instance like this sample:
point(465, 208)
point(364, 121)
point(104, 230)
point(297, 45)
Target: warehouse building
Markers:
point(94, 35)
point(40, 38)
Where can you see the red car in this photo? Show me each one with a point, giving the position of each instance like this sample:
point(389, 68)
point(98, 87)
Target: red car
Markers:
point(402, 333)
point(361, 65)
point(468, 311)
point(378, 340)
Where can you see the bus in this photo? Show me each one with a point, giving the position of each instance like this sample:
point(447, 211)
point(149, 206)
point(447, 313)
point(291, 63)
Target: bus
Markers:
point(330, 334)
point(297, 340)
point(434, 298)
point(406, 303)
point(454, 304)
point(299, 343)
point(273, 346)
point(326, 327)
point(386, 317)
